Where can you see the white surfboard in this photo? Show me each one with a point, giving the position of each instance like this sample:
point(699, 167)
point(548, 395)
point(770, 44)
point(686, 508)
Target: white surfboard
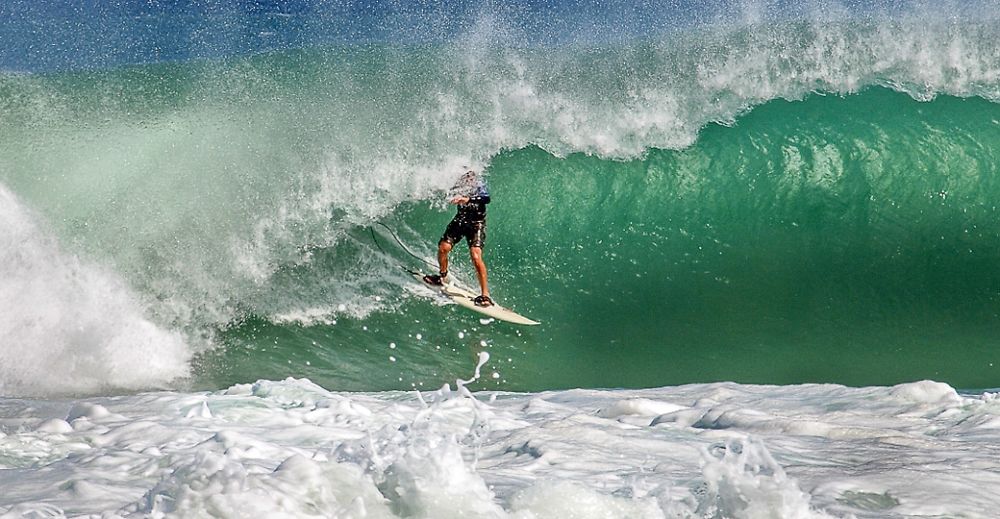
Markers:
point(465, 297)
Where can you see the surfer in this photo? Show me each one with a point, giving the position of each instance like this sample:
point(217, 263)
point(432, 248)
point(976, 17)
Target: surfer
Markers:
point(471, 196)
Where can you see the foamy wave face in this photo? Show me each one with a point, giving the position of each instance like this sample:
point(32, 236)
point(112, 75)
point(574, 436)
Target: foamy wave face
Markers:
point(69, 326)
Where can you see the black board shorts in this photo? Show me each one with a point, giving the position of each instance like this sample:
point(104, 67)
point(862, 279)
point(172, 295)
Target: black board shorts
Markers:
point(473, 232)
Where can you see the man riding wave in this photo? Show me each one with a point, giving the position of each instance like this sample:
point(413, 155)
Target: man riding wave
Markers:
point(471, 195)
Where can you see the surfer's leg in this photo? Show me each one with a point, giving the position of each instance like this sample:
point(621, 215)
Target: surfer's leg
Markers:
point(452, 234)
point(477, 261)
point(476, 235)
point(444, 248)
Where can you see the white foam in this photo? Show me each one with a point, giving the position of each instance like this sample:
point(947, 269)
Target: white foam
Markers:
point(926, 392)
point(69, 326)
point(293, 449)
point(638, 406)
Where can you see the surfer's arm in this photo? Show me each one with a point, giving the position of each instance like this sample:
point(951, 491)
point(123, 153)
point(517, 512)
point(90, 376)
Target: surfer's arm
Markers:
point(481, 198)
point(478, 199)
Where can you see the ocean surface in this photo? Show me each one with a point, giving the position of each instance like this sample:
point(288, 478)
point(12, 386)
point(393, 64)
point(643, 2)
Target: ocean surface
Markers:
point(761, 238)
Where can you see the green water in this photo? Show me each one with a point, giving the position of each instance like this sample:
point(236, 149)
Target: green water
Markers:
point(848, 239)
point(836, 239)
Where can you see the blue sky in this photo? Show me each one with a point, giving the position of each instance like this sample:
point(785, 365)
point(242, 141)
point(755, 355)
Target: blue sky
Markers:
point(40, 35)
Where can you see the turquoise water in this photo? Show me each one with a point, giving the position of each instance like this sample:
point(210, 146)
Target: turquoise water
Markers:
point(777, 197)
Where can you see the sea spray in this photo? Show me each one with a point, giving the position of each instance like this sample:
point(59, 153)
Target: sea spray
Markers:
point(743, 480)
point(70, 326)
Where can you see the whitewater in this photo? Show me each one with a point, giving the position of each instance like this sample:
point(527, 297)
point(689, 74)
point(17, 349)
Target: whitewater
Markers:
point(293, 449)
point(760, 237)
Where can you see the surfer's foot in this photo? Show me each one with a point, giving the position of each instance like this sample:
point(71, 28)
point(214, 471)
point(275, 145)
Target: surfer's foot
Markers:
point(436, 279)
point(483, 300)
